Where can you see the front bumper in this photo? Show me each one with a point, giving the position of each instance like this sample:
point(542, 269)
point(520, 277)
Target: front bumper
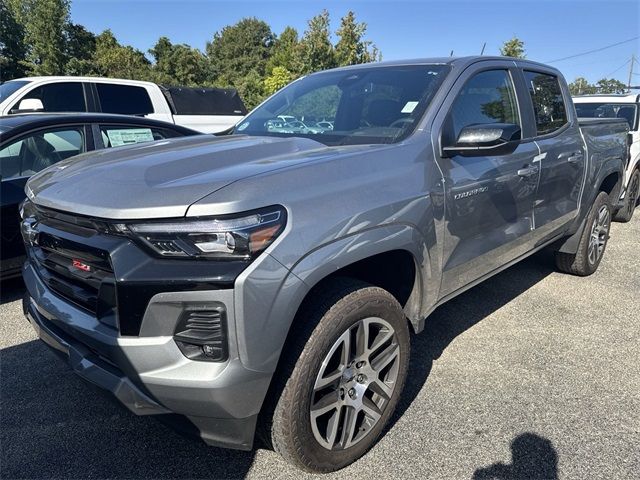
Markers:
point(149, 374)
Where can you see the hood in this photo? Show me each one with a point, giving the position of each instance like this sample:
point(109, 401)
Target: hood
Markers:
point(162, 179)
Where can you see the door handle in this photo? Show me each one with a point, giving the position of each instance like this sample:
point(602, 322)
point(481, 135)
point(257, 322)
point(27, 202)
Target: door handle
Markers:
point(527, 172)
point(572, 157)
point(577, 158)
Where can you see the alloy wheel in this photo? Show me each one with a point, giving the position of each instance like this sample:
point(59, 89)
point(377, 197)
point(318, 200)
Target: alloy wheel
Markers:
point(599, 235)
point(356, 381)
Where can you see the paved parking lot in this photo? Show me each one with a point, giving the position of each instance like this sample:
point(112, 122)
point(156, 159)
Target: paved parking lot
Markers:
point(531, 374)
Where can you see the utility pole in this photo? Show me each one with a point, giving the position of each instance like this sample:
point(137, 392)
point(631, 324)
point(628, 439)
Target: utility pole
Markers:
point(633, 59)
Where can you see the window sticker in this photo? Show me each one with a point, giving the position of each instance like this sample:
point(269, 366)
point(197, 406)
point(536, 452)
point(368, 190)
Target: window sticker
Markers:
point(409, 107)
point(129, 136)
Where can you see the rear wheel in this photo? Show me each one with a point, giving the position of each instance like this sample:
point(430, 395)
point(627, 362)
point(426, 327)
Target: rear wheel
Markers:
point(630, 199)
point(593, 241)
point(345, 383)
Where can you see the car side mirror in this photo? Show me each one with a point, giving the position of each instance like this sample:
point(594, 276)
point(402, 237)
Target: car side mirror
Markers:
point(484, 139)
point(30, 105)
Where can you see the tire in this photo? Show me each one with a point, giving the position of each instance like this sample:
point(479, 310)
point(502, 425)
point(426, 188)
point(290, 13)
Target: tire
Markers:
point(630, 199)
point(357, 406)
point(593, 241)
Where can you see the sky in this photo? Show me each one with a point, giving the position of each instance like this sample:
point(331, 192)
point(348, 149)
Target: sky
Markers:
point(550, 29)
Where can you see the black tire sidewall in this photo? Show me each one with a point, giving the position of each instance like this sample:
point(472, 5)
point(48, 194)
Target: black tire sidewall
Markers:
point(587, 267)
point(343, 315)
point(626, 213)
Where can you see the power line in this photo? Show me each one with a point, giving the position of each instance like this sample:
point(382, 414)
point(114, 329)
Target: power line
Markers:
point(619, 68)
point(593, 51)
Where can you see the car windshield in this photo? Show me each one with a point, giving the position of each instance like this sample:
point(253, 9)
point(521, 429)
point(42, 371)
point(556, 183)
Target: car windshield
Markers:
point(8, 88)
point(353, 106)
point(625, 111)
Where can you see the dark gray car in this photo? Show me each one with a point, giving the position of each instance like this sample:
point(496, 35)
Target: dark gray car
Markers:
point(277, 275)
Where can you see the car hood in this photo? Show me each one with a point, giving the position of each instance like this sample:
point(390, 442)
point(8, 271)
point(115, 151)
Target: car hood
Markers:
point(162, 179)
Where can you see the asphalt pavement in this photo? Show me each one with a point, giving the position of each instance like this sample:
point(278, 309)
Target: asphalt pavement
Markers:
point(532, 374)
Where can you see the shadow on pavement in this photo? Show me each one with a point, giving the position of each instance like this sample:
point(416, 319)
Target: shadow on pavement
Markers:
point(11, 290)
point(55, 425)
point(532, 457)
point(462, 313)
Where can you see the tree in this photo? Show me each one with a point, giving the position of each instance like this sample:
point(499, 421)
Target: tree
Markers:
point(117, 61)
point(12, 47)
point(513, 48)
point(44, 22)
point(580, 86)
point(287, 53)
point(239, 49)
point(178, 64)
point(318, 52)
point(610, 85)
point(279, 78)
point(80, 50)
point(351, 48)
point(238, 57)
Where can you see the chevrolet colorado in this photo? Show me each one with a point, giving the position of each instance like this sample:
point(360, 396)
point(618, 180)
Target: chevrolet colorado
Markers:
point(275, 275)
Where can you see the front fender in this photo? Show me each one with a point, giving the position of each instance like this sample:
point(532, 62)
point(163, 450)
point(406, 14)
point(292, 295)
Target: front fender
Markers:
point(266, 309)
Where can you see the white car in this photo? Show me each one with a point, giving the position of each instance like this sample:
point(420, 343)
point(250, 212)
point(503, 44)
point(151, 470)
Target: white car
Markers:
point(619, 106)
point(207, 110)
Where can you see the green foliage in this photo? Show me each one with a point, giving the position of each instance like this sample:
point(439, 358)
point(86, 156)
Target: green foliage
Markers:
point(238, 57)
point(580, 86)
point(610, 85)
point(178, 64)
point(44, 24)
point(279, 78)
point(287, 53)
point(13, 51)
point(351, 48)
point(114, 60)
point(80, 50)
point(318, 52)
point(513, 48)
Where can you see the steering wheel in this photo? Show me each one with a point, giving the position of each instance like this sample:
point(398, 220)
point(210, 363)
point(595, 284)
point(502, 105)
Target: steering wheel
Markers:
point(399, 123)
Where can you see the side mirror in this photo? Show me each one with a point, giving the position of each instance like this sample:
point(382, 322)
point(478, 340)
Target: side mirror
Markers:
point(30, 105)
point(484, 139)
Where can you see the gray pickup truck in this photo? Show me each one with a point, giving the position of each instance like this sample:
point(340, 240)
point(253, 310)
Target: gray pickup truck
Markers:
point(271, 278)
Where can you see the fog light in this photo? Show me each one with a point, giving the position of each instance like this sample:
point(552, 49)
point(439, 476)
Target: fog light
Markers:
point(201, 333)
point(211, 351)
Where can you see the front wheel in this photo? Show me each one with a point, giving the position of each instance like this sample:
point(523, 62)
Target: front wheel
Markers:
point(345, 384)
point(630, 199)
point(593, 241)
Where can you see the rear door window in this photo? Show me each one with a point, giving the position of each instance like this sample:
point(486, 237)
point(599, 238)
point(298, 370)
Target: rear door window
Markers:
point(57, 97)
point(124, 99)
point(36, 151)
point(118, 136)
point(548, 102)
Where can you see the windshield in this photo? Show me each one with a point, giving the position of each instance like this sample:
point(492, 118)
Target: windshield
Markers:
point(356, 106)
point(626, 111)
point(8, 88)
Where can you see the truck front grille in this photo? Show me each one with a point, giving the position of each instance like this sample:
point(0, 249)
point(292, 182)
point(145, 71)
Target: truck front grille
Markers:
point(79, 275)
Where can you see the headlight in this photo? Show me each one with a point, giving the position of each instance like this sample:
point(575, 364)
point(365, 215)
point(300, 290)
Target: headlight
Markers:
point(26, 209)
point(242, 236)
